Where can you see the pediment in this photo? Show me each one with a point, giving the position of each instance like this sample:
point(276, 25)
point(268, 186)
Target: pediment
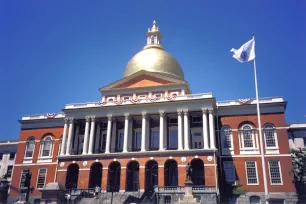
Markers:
point(143, 79)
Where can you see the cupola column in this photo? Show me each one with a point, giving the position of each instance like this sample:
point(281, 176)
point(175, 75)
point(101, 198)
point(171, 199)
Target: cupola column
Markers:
point(71, 126)
point(92, 133)
point(126, 132)
point(212, 129)
point(180, 130)
point(64, 137)
point(205, 128)
point(143, 132)
point(108, 134)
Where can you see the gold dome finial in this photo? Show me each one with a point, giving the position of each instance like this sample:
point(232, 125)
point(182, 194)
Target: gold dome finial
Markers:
point(154, 27)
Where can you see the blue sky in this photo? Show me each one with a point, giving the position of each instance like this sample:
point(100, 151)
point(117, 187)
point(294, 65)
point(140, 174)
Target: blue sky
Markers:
point(58, 52)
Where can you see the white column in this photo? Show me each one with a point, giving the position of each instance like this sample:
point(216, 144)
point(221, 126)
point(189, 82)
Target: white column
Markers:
point(64, 137)
point(92, 134)
point(161, 131)
point(71, 125)
point(180, 131)
point(186, 130)
point(212, 129)
point(205, 129)
point(143, 132)
point(126, 132)
point(108, 134)
point(85, 144)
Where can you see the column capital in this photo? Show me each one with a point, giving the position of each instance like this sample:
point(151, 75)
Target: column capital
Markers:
point(179, 112)
point(161, 113)
point(126, 116)
point(211, 111)
point(93, 118)
point(185, 112)
point(71, 120)
point(144, 114)
point(204, 110)
point(66, 120)
point(87, 118)
point(109, 117)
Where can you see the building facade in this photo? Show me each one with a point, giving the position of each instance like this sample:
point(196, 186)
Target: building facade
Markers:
point(297, 135)
point(137, 140)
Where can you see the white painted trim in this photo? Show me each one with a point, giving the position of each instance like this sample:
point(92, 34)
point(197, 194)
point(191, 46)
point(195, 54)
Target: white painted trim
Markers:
point(84, 169)
point(246, 173)
point(161, 166)
point(210, 164)
point(181, 165)
point(278, 155)
point(34, 164)
point(248, 156)
point(62, 170)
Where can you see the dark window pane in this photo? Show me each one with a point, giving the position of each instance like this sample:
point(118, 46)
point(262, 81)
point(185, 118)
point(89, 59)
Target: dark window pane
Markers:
point(173, 140)
point(155, 139)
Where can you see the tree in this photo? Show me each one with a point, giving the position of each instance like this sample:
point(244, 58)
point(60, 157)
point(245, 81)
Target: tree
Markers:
point(299, 170)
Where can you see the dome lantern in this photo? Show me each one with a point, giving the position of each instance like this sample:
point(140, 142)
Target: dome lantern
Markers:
point(154, 58)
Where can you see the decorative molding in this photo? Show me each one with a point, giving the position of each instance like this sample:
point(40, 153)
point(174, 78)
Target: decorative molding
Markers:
point(161, 113)
point(209, 158)
point(87, 118)
point(126, 116)
point(62, 164)
point(109, 117)
point(179, 112)
point(183, 159)
point(66, 120)
point(93, 118)
point(211, 111)
point(85, 163)
point(185, 112)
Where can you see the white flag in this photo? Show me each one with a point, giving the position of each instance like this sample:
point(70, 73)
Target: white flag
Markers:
point(246, 52)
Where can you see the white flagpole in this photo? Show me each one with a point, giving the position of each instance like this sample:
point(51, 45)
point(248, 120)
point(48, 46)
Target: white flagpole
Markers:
point(260, 132)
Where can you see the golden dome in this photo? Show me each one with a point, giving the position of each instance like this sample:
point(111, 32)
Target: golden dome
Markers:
point(154, 58)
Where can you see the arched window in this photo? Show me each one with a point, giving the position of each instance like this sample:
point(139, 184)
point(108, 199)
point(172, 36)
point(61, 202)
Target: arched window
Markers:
point(248, 137)
point(132, 176)
point(29, 148)
point(171, 173)
point(95, 177)
point(270, 136)
point(151, 175)
point(113, 180)
point(46, 146)
point(197, 166)
point(255, 200)
point(72, 176)
point(227, 137)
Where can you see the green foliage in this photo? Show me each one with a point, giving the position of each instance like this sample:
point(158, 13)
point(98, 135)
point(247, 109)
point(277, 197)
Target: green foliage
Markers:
point(238, 189)
point(299, 170)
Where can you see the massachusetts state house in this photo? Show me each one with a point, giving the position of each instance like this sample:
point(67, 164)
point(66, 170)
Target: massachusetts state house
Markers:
point(135, 142)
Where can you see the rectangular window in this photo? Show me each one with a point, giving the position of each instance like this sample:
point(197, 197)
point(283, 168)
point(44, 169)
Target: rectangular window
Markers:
point(229, 170)
point(126, 98)
point(251, 172)
point(275, 174)
point(30, 149)
point(120, 141)
point(197, 134)
point(12, 156)
point(172, 121)
point(248, 139)
point(196, 119)
point(195, 145)
point(173, 139)
point(41, 178)
point(137, 140)
point(23, 177)
point(154, 139)
point(9, 171)
point(227, 135)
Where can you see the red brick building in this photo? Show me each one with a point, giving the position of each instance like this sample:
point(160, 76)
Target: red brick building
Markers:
point(138, 139)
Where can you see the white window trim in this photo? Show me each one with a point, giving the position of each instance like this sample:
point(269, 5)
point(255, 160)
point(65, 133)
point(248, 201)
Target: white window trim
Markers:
point(280, 172)
point(248, 150)
point(197, 130)
point(38, 176)
point(246, 172)
point(223, 139)
point(43, 159)
point(109, 98)
point(25, 152)
point(142, 97)
point(276, 141)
